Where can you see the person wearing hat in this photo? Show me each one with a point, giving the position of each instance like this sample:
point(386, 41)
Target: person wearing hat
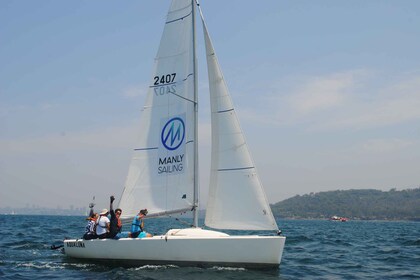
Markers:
point(137, 227)
point(90, 227)
point(102, 224)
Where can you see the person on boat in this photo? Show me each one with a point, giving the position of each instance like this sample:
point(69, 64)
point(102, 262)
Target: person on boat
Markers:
point(137, 226)
point(90, 227)
point(102, 224)
point(115, 225)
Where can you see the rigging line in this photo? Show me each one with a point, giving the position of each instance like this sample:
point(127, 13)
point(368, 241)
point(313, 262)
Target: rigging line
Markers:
point(181, 221)
point(199, 9)
point(233, 169)
point(192, 101)
point(184, 222)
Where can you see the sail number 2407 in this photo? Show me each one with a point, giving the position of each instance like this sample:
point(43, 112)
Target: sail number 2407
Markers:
point(164, 79)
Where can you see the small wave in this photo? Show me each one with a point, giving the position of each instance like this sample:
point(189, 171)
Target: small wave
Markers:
point(54, 266)
point(79, 265)
point(298, 239)
point(57, 230)
point(25, 245)
point(41, 265)
point(155, 267)
point(336, 242)
point(411, 242)
point(221, 268)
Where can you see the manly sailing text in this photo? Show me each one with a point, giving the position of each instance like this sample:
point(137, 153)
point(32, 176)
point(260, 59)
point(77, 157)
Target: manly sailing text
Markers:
point(171, 164)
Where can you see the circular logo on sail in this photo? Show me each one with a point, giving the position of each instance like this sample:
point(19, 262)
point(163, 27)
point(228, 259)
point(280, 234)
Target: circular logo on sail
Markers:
point(173, 133)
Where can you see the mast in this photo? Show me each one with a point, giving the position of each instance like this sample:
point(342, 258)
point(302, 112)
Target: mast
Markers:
point(196, 190)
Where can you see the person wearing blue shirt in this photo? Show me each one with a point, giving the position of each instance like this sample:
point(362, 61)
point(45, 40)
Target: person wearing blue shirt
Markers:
point(137, 226)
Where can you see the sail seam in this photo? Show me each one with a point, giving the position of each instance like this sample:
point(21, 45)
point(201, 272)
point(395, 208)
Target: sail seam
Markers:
point(155, 148)
point(145, 149)
point(163, 85)
point(224, 111)
point(239, 168)
point(188, 77)
point(181, 18)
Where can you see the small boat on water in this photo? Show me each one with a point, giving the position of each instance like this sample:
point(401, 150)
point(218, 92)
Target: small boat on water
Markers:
point(338, 219)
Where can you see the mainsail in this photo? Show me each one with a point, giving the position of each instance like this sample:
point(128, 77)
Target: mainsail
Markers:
point(236, 196)
point(161, 173)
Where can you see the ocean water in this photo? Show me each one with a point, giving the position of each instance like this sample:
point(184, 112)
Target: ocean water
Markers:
point(314, 250)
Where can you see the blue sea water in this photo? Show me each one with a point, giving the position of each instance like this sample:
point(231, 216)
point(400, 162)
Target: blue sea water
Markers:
point(314, 249)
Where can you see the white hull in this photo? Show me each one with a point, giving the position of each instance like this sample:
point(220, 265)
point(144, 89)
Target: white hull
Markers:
point(184, 247)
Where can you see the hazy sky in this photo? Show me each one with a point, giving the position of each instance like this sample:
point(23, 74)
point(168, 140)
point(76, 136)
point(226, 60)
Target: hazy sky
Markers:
point(327, 92)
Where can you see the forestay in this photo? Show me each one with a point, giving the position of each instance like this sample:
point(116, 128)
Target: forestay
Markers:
point(236, 196)
point(160, 176)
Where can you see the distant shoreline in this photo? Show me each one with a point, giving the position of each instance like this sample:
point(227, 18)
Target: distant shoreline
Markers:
point(356, 204)
point(280, 218)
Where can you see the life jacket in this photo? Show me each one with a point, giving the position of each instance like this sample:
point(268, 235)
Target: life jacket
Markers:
point(91, 227)
point(136, 225)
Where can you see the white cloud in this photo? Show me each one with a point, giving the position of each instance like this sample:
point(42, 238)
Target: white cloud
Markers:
point(319, 93)
point(392, 104)
point(348, 100)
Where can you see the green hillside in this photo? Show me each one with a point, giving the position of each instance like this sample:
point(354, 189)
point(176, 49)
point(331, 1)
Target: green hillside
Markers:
point(354, 204)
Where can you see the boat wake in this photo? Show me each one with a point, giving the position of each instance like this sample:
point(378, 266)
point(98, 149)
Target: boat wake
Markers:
point(41, 265)
point(221, 268)
point(155, 267)
point(52, 265)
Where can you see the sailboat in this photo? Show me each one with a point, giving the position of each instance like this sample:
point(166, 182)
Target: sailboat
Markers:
point(163, 173)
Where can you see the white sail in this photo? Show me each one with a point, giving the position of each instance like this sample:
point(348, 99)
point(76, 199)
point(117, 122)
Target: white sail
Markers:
point(161, 173)
point(236, 196)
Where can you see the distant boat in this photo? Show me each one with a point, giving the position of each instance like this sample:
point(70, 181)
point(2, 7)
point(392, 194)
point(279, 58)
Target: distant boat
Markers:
point(338, 219)
point(163, 174)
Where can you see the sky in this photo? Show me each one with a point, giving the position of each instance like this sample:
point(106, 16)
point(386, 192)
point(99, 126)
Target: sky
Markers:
point(327, 92)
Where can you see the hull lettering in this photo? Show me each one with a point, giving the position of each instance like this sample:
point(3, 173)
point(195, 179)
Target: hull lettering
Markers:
point(80, 244)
